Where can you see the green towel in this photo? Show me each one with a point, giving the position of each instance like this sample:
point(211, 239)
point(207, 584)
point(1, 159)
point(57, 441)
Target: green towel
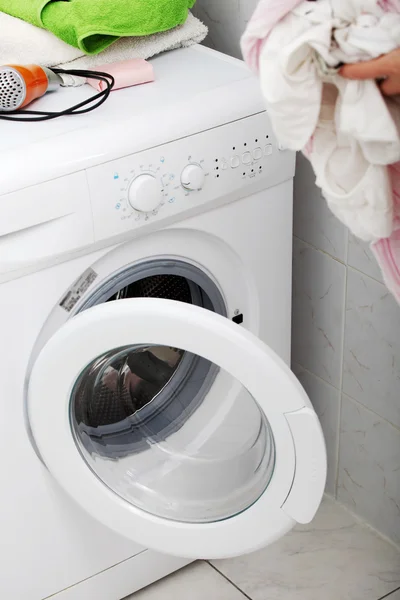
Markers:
point(92, 25)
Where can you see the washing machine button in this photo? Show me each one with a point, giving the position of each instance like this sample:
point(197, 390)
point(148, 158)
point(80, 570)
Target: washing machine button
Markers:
point(268, 150)
point(246, 158)
point(257, 153)
point(235, 162)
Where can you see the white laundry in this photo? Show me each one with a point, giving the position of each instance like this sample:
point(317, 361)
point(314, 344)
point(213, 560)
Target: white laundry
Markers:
point(354, 130)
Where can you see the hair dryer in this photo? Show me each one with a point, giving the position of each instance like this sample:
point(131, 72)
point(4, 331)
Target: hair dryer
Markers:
point(19, 85)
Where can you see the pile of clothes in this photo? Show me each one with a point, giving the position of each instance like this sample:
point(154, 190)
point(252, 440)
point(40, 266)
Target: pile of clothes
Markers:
point(84, 34)
point(348, 130)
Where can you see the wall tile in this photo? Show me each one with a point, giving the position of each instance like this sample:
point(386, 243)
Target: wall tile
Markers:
point(226, 22)
point(313, 221)
point(371, 369)
point(360, 257)
point(369, 468)
point(318, 312)
point(326, 402)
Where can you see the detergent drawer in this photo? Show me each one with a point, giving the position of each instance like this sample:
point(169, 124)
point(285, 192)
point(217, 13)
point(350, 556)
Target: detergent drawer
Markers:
point(40, 221)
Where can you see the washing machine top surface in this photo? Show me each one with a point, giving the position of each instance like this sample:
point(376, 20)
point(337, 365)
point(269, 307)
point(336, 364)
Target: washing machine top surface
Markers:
point(192, 92)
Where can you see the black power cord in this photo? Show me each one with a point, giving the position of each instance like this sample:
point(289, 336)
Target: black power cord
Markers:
point(77, 109)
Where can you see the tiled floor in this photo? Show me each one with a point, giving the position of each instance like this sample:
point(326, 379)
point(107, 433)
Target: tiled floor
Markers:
point(334, 558)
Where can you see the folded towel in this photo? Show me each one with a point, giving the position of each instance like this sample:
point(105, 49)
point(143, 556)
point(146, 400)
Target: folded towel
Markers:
point(93, 25)
point(192, 32)
point(22, 43)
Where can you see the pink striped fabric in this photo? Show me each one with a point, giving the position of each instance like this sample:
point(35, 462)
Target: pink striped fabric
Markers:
point(387, 251)
point(390, 5)
point(264, 19)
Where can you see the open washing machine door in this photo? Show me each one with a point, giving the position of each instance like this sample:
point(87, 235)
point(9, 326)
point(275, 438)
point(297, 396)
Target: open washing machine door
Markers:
point(176, 428)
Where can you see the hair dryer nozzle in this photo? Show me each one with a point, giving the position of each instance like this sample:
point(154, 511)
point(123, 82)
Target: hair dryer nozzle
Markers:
point(20, 85)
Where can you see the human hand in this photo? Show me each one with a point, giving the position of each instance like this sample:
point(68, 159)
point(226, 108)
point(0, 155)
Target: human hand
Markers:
point(386, 67)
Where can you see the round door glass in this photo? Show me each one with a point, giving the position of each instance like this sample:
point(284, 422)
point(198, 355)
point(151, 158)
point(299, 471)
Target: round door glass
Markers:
point(172, 433)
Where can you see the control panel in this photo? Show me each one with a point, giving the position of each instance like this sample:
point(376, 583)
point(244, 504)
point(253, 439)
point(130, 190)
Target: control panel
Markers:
point(229, 161)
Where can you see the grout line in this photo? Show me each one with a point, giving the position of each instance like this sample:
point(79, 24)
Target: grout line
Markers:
point(366, 275)
point(360, 404)
point(295, 363)
point(231, 582)
point(389, 594)
point(363, 523)
point(339, 423)
point(366, 408)
point(347, 244)
point(335, 258)
point(341, 262)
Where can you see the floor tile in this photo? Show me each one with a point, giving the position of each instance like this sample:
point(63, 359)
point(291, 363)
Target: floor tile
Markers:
point(333, 558)
point(369, 468)
point(318, 312)
point(198, 581)
point(394, 596)
point(326, 402)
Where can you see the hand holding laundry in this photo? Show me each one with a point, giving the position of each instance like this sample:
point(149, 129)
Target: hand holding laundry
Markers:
point(343, 119)
point(385, 67)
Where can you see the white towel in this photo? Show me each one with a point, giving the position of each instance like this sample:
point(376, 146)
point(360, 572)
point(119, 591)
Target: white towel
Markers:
point(354, 129)
point(23, 43)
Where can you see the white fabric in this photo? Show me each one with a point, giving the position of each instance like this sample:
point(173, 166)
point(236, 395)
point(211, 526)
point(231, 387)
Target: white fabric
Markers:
point(354, 130)
point(23, 43)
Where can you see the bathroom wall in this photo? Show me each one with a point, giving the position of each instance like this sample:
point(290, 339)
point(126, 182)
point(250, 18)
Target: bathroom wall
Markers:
point(346, 332)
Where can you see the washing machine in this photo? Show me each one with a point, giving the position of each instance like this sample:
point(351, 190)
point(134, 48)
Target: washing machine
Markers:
point(149, 415)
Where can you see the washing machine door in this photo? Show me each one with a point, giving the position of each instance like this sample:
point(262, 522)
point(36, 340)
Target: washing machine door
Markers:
point(176, 428)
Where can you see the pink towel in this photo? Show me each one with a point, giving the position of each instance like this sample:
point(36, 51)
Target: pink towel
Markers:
point(125, 73)
point(264, 19)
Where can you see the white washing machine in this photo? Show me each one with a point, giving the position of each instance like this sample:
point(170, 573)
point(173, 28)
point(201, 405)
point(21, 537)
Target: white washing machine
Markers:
point(149, 416)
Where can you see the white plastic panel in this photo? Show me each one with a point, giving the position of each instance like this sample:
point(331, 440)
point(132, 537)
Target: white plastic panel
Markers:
point(122, 579)
point(44, 220)
point(309, 481)
point(238, 159)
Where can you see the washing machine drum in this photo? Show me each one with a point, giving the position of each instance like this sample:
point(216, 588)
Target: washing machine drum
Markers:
point(134, 396)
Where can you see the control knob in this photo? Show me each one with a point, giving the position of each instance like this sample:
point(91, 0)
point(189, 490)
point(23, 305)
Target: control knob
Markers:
point(192, 177)
point(145, 193)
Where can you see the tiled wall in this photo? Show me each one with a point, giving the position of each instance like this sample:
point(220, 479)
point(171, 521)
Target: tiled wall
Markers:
point(346, 332)
point(346, 352)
